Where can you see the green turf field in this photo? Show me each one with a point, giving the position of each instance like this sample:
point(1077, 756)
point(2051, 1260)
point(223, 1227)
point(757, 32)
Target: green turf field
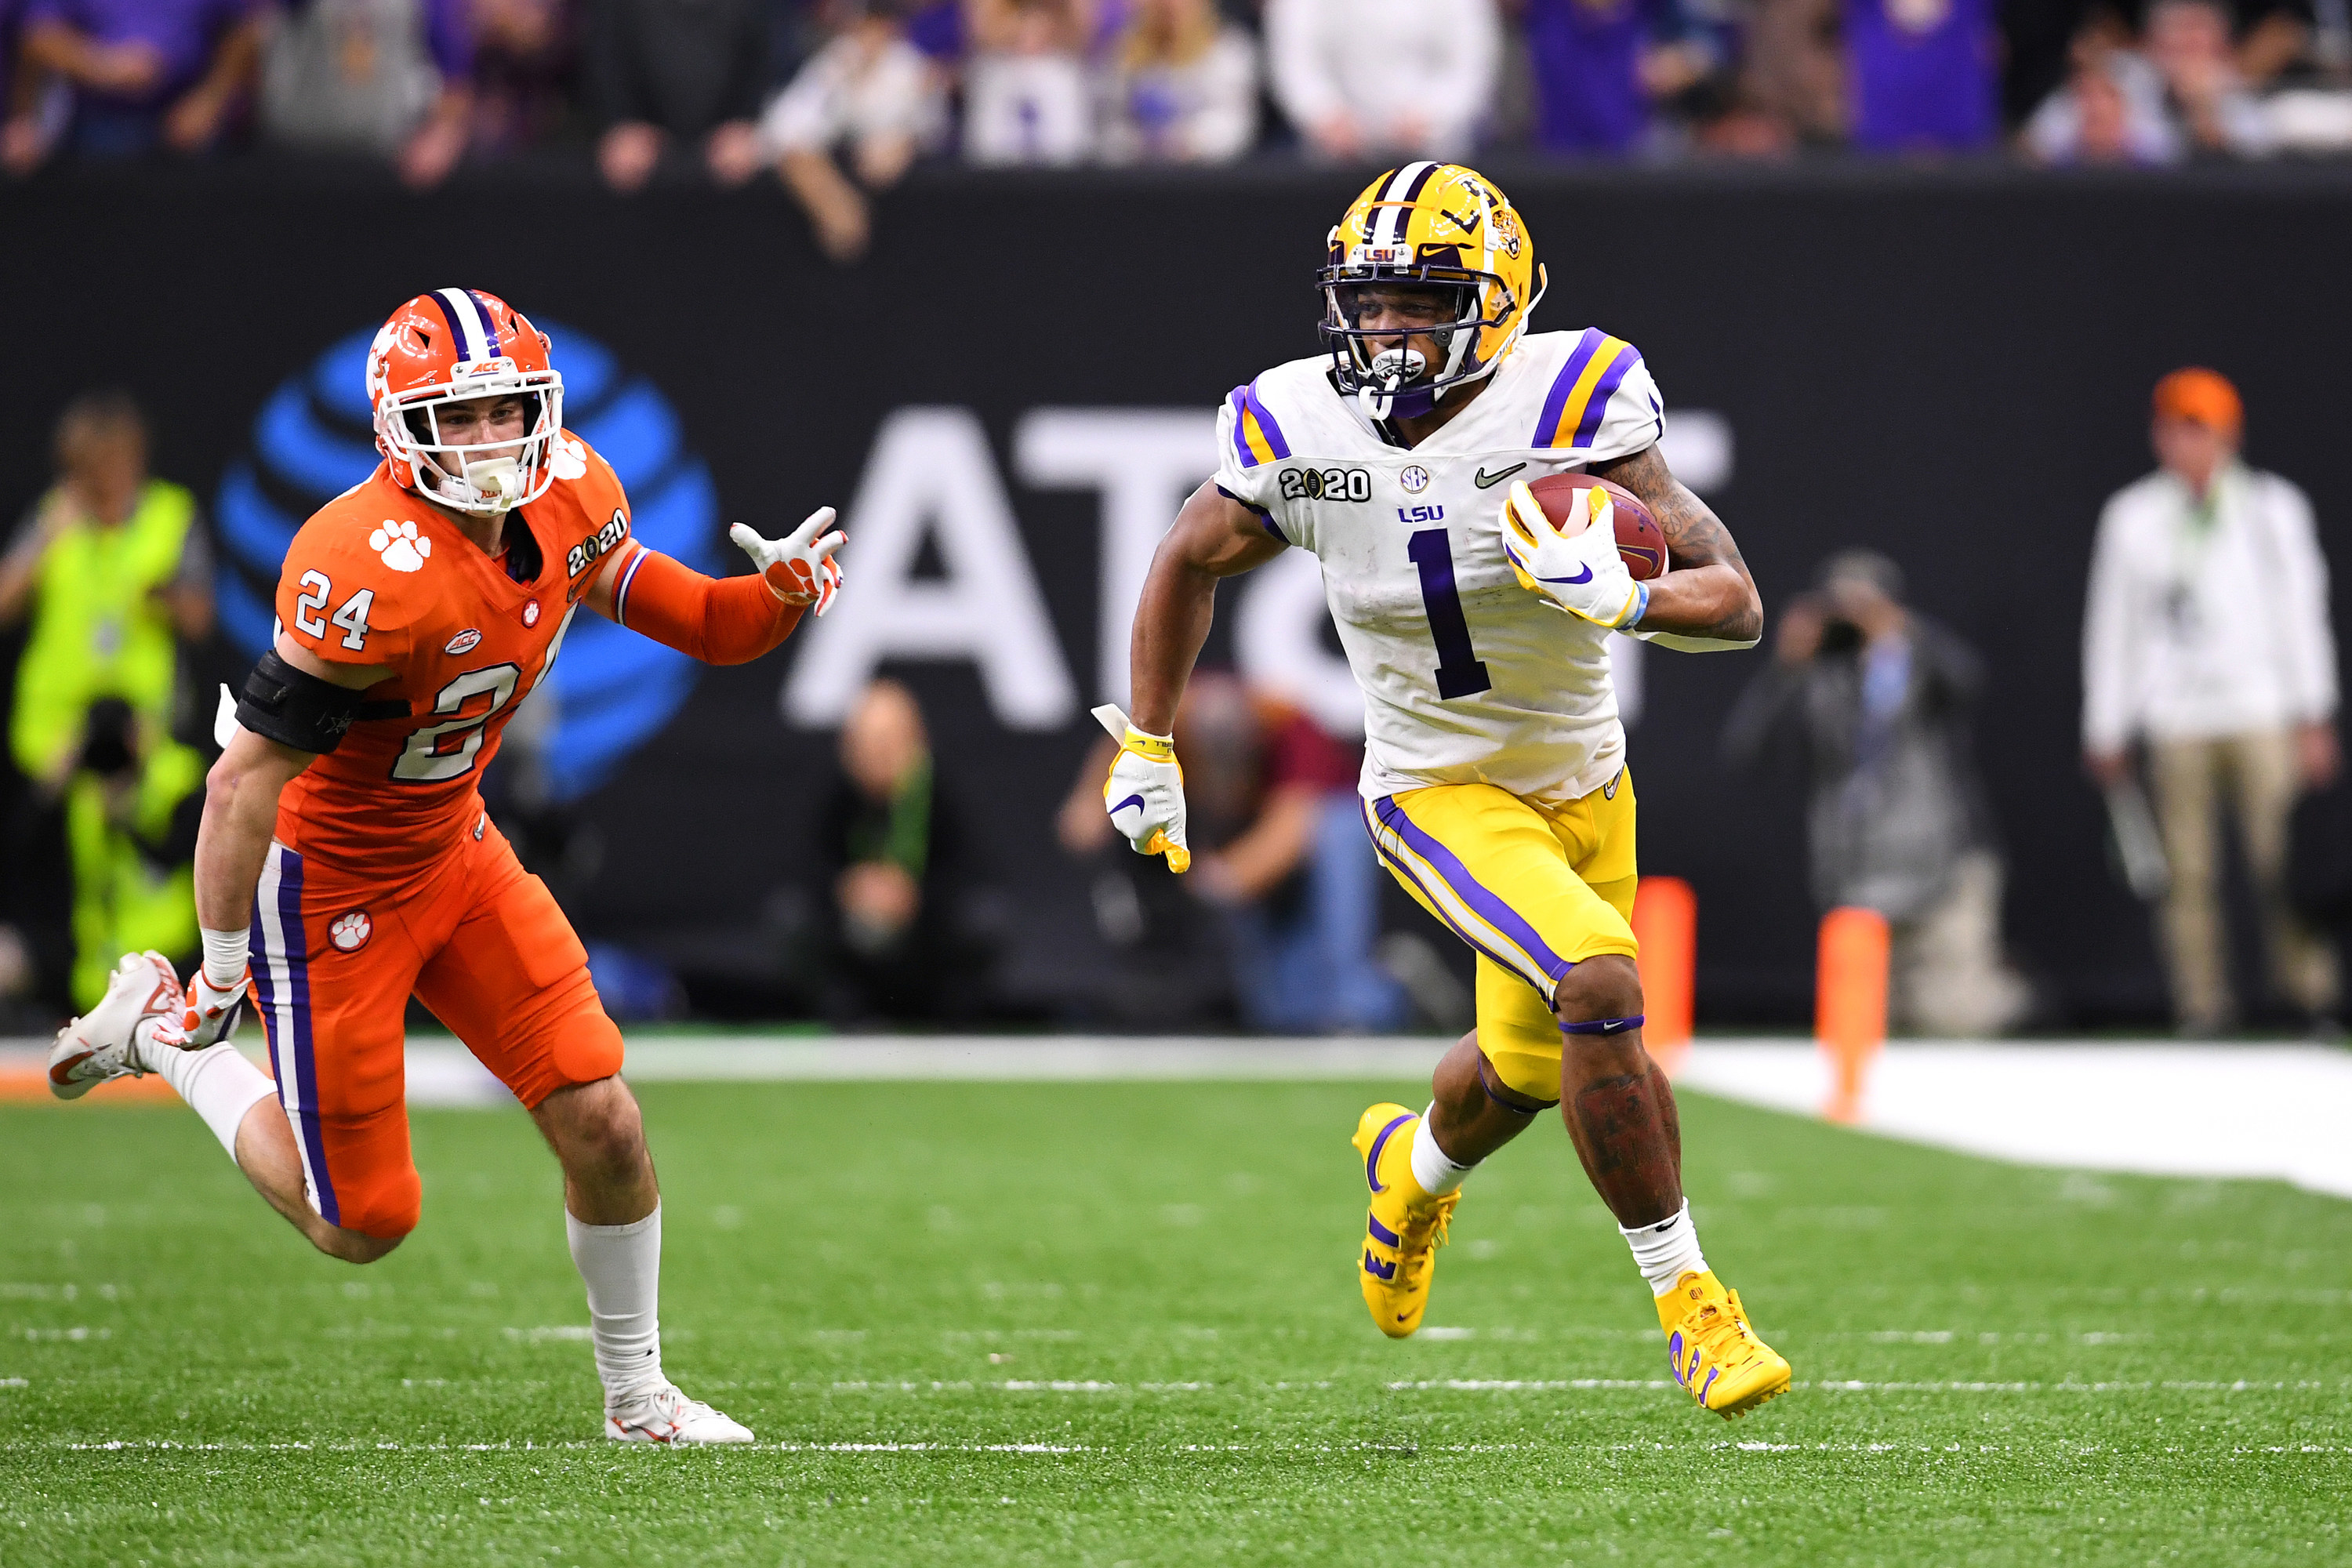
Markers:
point(1104, 1323)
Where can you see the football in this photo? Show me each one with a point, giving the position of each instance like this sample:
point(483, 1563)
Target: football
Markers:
point(1639, 539)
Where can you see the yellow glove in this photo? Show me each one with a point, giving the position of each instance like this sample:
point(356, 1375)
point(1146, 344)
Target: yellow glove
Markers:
point(1581, 574)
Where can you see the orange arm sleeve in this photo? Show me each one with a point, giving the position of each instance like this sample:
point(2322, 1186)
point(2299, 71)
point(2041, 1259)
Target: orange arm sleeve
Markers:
point(719, 620)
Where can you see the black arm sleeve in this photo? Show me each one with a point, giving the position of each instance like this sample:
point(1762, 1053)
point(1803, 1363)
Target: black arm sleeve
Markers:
point(296, 709)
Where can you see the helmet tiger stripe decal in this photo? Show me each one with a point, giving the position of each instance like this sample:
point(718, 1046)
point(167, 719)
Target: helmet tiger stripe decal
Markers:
point(1428, 226)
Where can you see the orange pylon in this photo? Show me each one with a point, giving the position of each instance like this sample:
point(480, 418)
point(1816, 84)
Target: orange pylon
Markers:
point(1665, 924)
point(1850, 1002)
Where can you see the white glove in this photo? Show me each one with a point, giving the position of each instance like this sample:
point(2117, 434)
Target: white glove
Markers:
point(1581, 574)
point(1145, 791)
point(800, 568)
point(213, 1012)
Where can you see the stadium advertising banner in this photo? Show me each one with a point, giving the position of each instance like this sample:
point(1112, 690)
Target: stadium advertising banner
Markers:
point(1011, 396)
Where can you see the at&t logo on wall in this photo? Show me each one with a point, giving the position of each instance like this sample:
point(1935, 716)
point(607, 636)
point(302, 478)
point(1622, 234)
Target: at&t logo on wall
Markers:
point(612, 690)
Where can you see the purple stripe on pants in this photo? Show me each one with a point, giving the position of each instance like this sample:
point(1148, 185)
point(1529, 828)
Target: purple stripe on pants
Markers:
point(1406, 871)
point(1467, 887)
point(306, 1069)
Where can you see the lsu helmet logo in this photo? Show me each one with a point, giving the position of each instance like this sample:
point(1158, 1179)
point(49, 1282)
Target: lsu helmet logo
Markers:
point(1434, 226)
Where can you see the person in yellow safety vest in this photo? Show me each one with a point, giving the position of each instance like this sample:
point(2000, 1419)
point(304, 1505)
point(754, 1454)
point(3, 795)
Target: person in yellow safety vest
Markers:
point(134, 801)
point(115, 573)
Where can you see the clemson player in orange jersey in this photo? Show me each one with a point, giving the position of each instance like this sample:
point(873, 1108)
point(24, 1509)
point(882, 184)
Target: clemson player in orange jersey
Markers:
point(417, 610)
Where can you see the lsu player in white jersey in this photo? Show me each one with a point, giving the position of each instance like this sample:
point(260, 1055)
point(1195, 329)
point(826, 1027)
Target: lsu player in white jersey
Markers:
point(1495, 785)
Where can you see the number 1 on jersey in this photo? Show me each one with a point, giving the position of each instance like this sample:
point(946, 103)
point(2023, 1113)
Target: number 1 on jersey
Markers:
point(1460, 672)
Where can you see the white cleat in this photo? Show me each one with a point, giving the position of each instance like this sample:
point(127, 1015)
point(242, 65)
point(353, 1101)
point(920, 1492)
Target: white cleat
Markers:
point(142, 998)
point(660, 1413)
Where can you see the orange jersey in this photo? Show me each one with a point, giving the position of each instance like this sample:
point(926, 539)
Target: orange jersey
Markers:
point(379, 579)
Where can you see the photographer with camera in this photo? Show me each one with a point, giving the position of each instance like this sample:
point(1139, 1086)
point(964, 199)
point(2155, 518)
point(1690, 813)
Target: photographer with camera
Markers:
point(1879, 698)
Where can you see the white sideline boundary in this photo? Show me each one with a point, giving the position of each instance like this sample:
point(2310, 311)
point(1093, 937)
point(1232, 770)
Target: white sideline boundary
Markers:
point(2259, 1111)
point(2263, 1111)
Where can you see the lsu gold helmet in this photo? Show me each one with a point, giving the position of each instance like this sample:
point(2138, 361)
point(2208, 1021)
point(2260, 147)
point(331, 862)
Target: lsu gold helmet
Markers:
point(1432, 225)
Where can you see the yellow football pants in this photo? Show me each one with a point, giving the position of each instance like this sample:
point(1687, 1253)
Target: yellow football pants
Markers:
point(1536, 890)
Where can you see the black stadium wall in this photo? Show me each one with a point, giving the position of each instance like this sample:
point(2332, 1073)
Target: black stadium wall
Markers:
point(1008, 397)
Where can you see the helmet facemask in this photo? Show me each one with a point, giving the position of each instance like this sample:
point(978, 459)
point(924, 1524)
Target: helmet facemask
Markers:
point(1387, 375)
point(1382, 376)
point(483, 479)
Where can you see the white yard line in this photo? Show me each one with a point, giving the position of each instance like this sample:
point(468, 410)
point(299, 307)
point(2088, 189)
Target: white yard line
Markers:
point(2066, 1447)
point(2260, 1111)
point(1034, 1059)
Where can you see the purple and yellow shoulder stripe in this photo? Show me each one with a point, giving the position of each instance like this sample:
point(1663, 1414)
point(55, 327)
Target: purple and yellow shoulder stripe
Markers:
point(1256, 437)
point(1579, 395)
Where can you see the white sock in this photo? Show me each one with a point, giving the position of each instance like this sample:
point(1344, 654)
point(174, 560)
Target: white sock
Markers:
point(1666, 1251)
point(218, 1082)
point(621, 1266)
point(1437, 1174)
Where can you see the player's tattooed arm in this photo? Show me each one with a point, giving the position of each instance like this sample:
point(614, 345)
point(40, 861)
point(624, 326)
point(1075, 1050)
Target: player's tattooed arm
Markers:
point(1707, 596)
point(1213, 536)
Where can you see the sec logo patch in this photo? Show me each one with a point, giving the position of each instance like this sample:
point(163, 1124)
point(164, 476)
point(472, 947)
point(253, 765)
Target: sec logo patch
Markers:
point(1414, 479)
point(531, 613)
point(350, 933)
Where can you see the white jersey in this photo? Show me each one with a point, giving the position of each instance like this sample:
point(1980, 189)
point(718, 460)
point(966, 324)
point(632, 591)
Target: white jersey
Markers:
point(1467, 676)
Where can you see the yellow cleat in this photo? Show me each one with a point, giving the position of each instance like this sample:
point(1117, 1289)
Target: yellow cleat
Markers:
point(1406, 1226)
point(1715, 1355)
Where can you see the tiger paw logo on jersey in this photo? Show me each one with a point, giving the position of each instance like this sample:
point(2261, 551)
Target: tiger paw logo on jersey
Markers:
point(402, 548)
point(312, 439)
point(350, 931)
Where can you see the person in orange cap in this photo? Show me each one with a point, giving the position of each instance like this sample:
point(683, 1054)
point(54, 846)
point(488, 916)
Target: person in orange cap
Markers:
point(2205, 644)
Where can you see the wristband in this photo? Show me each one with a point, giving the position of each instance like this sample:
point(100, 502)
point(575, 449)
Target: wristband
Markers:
point(1152, 748)
point(1603, 1025)
point(225, 956)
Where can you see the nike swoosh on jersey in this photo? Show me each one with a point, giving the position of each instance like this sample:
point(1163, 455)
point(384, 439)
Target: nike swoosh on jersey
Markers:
point(1486, 480)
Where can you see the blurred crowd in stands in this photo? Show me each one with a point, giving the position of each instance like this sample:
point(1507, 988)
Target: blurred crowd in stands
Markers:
point(840, 97)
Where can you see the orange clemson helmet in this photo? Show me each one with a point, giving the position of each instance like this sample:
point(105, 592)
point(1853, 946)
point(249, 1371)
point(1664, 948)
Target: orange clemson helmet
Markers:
point(454, 345)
